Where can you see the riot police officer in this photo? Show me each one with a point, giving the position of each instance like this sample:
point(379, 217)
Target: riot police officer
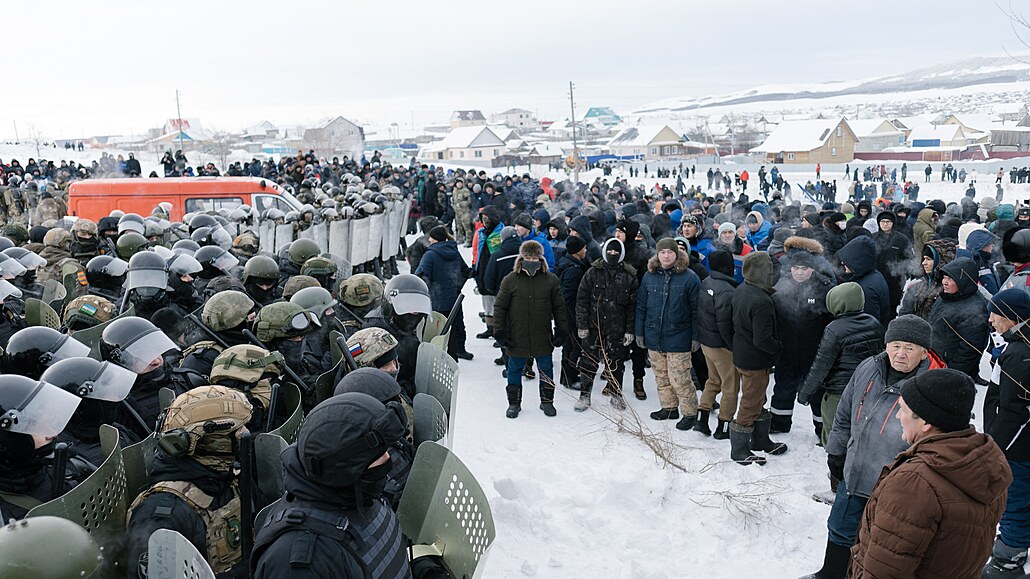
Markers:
point(194, 490)
point(146, 283)
point(261, 279)
point(323, 269)
point(86, 312)
point(32, 350)
point(32, 414)
point(360, 294)
point(406, 304)
point(252, 370)
point(282, 326)
point(227, 314)
point(10, 321)
point(182, 274)
point(129, 244)
point(215, 262)
point(334, 478)
point(299, 252)
point(85, 241)
point(102, 386)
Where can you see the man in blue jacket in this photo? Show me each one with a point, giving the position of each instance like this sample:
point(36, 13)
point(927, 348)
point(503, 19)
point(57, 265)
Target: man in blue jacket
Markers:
point(665, 325)
point(759, 231)
point(445, 272)
point(526, 231)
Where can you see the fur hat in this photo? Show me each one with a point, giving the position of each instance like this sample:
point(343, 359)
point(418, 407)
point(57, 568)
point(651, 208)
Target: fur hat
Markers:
point(531, 248)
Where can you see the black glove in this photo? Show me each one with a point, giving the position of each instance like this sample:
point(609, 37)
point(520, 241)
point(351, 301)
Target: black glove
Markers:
point(501, 337)
point(803, 398)
point(836, 464)
point(559, 339)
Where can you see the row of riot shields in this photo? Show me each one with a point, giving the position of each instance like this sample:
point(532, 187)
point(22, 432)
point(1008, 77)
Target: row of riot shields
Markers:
point(355, 241)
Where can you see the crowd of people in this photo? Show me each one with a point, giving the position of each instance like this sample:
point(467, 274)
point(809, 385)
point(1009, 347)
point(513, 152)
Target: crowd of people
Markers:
point(878, 315)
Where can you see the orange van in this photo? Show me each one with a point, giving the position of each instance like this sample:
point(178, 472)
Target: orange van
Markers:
point(96, 198)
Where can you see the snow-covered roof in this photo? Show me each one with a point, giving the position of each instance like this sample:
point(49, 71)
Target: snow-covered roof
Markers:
point(473, 115)
point(515, 111)
point(641, 136)
point(1007, 108)
point(979, 123)
point(546, 150)
point(798, 135)
point(934, 132)
point(914, 121)
point(465, 137)
point(503, 133)
point(870, 127)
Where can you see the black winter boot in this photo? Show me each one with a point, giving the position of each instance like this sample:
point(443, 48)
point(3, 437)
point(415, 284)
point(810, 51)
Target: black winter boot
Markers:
point(687, 422)
point(702, 423)
point(489, 333)
point(760, 440)
point(720, 430)
point(740, 445)
point(548, 408)
point(1005, 562)
point(638, 389)
point(666, 414)
point(514, 400)
point(835, 563)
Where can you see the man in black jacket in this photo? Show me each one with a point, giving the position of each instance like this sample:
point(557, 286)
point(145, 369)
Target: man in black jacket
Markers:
point(715, 332)
point(894, 258)
point(756, 347)
point(637, 255)
point(571, 268)
point(958, 318)
point(1006, 414)
point(802, 316)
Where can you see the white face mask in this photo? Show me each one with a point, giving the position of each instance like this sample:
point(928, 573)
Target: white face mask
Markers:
point(842, 224)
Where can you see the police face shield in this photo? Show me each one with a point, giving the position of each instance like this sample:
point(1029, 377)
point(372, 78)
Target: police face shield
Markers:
point(129, 225)
point(225, 262)
point(162, 251)
point(221, 238)
point(31, 260)
point(138, 354)
point(45, 411)
point(116, 267)
point(7, 290)
point(66, 348)
point(111, 383)
point(10, 268)
point(182, 264)
point(146, 278)
point(411, 303)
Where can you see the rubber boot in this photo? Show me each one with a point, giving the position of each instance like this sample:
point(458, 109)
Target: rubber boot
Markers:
point(835, 563)
point(585, 386)
point(760, 441)
point(740, 445)
point(702, 423)
point(1005, 562)
point(721, 432)
point(687, 422)
point(666, 414)
point(638, 389)
point(489, 333)
point(514, 392)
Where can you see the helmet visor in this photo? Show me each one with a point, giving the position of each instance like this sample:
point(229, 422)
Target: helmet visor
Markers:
point(116, 267)
point(8, 289)
point(183, 264)
point(162, 251)
point(138, 355)
point(412, 303)
point(10, 267)
point(68, 348)
point(31, 260)
point(45, 412)
point(131, 226)
point(225, 262)
point(144, 278)
point(112, 383)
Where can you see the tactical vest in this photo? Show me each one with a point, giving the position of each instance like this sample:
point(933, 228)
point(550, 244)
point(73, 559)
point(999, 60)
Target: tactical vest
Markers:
point(222, 525)
point(373, 539)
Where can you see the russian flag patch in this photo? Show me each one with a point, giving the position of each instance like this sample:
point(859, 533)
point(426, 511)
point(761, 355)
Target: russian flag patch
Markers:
point(355, 349)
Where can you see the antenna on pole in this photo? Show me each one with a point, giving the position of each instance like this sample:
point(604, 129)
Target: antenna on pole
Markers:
point(178, 113)
point(575, 141)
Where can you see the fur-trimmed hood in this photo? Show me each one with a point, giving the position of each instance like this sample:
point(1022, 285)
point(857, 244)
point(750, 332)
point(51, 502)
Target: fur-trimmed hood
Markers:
point(804, 244)
point(531, 248)
point(681, 265)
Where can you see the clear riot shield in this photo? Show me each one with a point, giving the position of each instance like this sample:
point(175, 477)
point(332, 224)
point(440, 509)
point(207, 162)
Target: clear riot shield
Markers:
point(375, 236)
point(390, 238)
point(339, 240)
point(266, 235)
point(306, 233)
point(360, 230)
point(283, 237)
point(320, 233)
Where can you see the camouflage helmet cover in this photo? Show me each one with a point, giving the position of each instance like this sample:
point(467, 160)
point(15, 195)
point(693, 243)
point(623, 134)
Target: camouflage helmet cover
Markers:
point(88, 311)
point(226, 310)
point(360, 290)
point(372, 347)
point(246, 363)
point(206, 410)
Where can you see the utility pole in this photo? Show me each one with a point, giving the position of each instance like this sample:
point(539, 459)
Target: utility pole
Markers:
point(16, 139)
point(575, 141)
point(178, 113)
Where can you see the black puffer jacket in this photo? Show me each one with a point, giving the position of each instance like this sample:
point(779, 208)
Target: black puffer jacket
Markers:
point(860, 257)
point(756, 343)
point(959, 321)
point(606, 305)
point(802, 315)
point(570, 272)
point(1006, 412)
point(850, 338)
point(715, 311)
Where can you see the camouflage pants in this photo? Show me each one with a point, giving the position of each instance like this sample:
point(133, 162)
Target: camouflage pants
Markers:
point(675, 386)
point(462, 226)
point(722, 377)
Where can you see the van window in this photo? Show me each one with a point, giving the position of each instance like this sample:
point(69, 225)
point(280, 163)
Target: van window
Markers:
point(201, 204)
point(263, 203)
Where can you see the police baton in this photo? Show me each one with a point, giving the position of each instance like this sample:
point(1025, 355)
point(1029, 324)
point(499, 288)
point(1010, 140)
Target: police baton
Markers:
point(453, 315)
point(350, 313)
point(196, 321)
point(60, 464)
point(273, 404)
point(286, 367)
point(135, 416)
point(247, 494)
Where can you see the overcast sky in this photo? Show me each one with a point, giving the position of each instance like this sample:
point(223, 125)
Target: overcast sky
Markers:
point(79, 68)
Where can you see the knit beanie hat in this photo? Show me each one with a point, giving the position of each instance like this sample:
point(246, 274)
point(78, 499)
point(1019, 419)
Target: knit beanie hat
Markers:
point(507, 232)
point(909, 328)
point(438, 233)
point(1013, 303)
point(728, 226)
point(943, 398)
point(666, 243)
point(721, 261)
point(573, 245)
point(524, 220)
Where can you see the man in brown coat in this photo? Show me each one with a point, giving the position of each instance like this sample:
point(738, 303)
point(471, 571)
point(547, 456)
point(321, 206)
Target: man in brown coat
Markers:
point(935, 509)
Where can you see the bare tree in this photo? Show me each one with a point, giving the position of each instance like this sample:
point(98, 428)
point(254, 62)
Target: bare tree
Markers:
point(220, 146)
point(36, 138)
